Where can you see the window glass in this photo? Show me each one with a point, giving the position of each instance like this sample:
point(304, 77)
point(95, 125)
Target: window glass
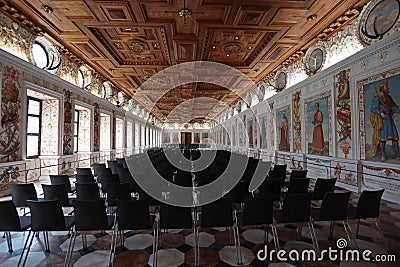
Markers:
point(39, 55)
point(33, 125)
point(32, 146)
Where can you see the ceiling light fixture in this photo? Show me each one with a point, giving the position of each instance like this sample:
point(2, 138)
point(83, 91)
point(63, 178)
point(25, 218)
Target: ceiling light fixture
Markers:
point(311, 17)
point(47, 9)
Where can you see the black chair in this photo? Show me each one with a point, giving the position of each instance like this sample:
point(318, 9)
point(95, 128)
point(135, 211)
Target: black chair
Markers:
point(133, 215)
point(298, 174)
point(270, 188)
point(11, 222)
point(172, 217)
point(108, 179)
point(368, 206)
point(100, 168)
point(239, 192)
point(20, 193)
point(85, 179)
point(113, 165)
point(120, 161)
point(58, 191)
point(116, 192)
point(279, 175)
point(90, 215)
point(280, 167)
point(298, 186)
point(126, 177)
point(46, 216)
point(323, 186)
point(62, 179)
point(253, 214)
point(220, 214)
point(333, 208)
point(87, 192)
point(296, 209)
point(84, 171)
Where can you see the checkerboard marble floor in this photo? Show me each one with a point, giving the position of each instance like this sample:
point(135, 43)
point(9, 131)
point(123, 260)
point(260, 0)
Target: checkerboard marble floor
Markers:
point(215, 248)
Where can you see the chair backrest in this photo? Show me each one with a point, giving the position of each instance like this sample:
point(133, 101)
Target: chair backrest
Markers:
point(126, 177)
point(113, 165)
point(87, 192)
point(115, 192)
point(9, 220)
point(90, 215)
point(84, 171)
point(368, 204)
point(108, 179)
point(85, 179)
point(239, 192)
point(280, 167)
point(120, 161)
point(334, 206)
point(217, 214)
point(133, 214)
point(20, 193)
point(46, 215)
point(257, 211)
point(100, 168)
point(279, 175)
point(296, 208)
point(271, 188)
point(172, 217)
point(61, 179)
point(298, 174)
point(323, 186)
point(57, 191)
point(298, 186)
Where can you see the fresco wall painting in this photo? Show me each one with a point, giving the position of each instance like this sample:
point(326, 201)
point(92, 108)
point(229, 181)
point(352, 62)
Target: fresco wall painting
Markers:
point(271, 128)
point(96, 127)
point(67, 136)
point(283, 127)
point(10, 139)
point(318, 126)
point(84, 130)
point(343, 113)
point(379, 97)
point(262, 119)
point(296, 122)
point(49, 133)
point(105, 132)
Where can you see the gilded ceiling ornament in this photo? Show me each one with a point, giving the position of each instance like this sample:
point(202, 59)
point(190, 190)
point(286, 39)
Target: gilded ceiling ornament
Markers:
point(232, 47)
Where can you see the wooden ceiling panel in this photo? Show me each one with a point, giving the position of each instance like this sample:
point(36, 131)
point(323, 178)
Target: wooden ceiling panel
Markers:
point(129, 41)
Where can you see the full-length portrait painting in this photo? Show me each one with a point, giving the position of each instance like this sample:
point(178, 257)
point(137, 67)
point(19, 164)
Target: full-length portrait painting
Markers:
point(318, 124)
point(283, 128)
point(262, 119)
point(380, 117)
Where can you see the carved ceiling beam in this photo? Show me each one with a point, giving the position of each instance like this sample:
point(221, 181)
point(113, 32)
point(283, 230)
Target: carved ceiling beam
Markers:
point(20, 18)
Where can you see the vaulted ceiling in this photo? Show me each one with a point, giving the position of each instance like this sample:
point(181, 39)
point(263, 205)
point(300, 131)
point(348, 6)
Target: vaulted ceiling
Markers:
point(129, 41)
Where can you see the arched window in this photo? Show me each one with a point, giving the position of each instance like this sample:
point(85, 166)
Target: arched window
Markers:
point(45, 56)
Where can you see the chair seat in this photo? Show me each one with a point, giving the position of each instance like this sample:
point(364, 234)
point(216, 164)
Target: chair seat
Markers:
point(277, 214)
point(315, 213)
point(110, 220)
point(25, 222)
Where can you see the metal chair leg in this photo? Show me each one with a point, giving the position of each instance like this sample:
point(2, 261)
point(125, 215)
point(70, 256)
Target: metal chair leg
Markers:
point(25, 244)
point(299, 229)
point(9, 241)
point(331, 227)
point(381, 233)
point(275, 237)
point(27, 252)
point(313, 236)
point(358, 227)
point(70, 249)
point(46, 241)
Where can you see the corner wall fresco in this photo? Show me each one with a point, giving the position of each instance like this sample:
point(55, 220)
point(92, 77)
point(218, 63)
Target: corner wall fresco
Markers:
point(10, 125)
point(67, 136)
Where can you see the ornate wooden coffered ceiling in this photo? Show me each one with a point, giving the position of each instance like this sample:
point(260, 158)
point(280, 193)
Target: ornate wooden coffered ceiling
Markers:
point(129, 41)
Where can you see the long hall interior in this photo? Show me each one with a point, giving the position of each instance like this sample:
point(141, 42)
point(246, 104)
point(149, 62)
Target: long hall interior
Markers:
point(199, 133)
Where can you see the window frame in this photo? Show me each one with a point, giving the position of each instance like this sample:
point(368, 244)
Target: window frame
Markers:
point(76, 126)
point(39, 134)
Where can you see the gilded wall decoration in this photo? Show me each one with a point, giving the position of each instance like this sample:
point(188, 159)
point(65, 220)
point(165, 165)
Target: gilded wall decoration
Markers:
point(379, 98)
point(96, 128)
point(68, 122)
point(343, 113)
point(10, 139)
point(296, 121)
